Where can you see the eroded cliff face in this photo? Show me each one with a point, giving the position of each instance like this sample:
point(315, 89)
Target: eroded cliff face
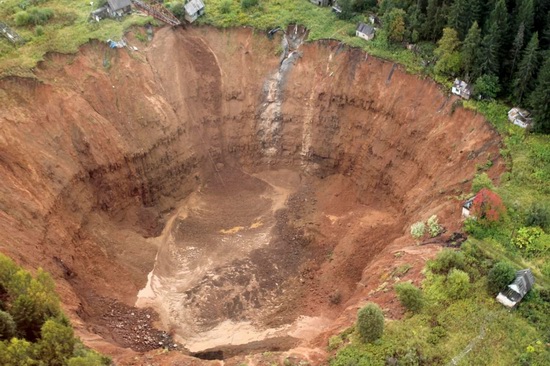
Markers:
point(98, 152)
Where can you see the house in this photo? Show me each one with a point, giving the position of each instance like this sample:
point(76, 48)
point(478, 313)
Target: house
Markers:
point(365, 31)
point(520, 117)
point(100, 13)
point(467, 206)
point(193, 10)
point(514, 292)
point(322, 2)
point(461, 88)
point(118, 8)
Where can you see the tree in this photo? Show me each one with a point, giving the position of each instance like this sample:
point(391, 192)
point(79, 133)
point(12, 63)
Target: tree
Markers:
point(447, 52)
point(436, 18)
point(35, 303)
point(470, 48)
point(394, 24)
point(7, 326)
point(56, 344)
point(17, 352)
point(347, 9)
point(370, 323)
point(527, 68)
point(501, 275)
point(487, 206)
point(459, 17)
point(517, 46)
point(499, 23)
point(526, 16)
point(487, 86)
point(488, 54)
point(410, 296)
point(539, 100)
point(457, 284)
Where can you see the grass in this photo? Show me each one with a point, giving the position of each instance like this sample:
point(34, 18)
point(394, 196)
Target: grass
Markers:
point(64, 33)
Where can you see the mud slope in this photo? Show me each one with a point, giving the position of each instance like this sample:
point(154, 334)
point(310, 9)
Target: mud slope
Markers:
point(253, 189)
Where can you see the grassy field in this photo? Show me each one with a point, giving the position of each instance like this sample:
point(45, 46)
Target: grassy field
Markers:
point(68, 29)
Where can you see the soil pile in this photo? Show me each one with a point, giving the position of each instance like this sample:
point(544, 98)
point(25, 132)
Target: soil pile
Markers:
point(249, 193)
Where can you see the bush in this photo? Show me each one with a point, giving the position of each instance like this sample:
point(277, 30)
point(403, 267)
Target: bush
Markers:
point(457, 284)
point(57, 342)
point(418, 229)
point(433, 226)
point(526, 240)
point(501, 275)
point(487, 86)
point(21, 18)
point(487, 206)
point(247, 4)
point(447, 260)
point(481, 181)
point(39, 31)
point(538, 215)
point(35, 16)
point(370, 323)
point(225, 6)
point(410, 296)
point(7, 326)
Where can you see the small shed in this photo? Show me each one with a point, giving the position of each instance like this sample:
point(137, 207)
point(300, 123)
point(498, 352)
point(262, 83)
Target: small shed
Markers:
point(322, 2)
point(118, 8)
point(365, 31)
point(467, 206)
point(193, 10)
point(520, 117)
point(461, 88)
point(515, 291)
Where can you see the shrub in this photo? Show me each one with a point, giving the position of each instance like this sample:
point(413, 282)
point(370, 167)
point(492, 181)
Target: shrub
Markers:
point(7, 326)
point(433, 226)
point(21, 18)
point(225, 6)
point(457, 284)
point(447, 260)
point(487, 206)
point(538, 215)
point(500, 276)
point(526, 240)
point(39, 31)
point(481, 181)
point(56, 343)
point(370, 323)
point(247, 4)
point(36, 16)
point(418, 229)
point(410, 296)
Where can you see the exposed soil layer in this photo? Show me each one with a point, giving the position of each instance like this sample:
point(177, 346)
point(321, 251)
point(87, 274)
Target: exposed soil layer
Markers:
point(255, 199)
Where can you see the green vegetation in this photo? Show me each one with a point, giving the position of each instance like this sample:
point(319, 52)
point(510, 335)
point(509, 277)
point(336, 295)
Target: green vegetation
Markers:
point(410, 296)
point(53, 26)
point(33, 330)
point(370, 323)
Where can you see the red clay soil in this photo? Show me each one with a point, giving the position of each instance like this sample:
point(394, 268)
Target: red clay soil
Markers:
point(99, 150)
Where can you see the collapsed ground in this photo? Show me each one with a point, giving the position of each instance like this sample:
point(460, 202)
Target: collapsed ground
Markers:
point(305, 166)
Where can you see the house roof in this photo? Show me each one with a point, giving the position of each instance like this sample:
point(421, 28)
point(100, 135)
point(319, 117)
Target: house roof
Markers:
point(365, 29)
point(119, 4)
point(193, 6)
point(469, 202)
point(523, 282)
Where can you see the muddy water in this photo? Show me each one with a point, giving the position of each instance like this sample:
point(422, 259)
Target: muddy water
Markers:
point(219, 271)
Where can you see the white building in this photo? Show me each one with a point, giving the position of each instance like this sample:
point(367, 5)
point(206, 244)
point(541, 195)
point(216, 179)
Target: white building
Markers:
point(193, 10)
point(520, 117)
point(365, 31)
